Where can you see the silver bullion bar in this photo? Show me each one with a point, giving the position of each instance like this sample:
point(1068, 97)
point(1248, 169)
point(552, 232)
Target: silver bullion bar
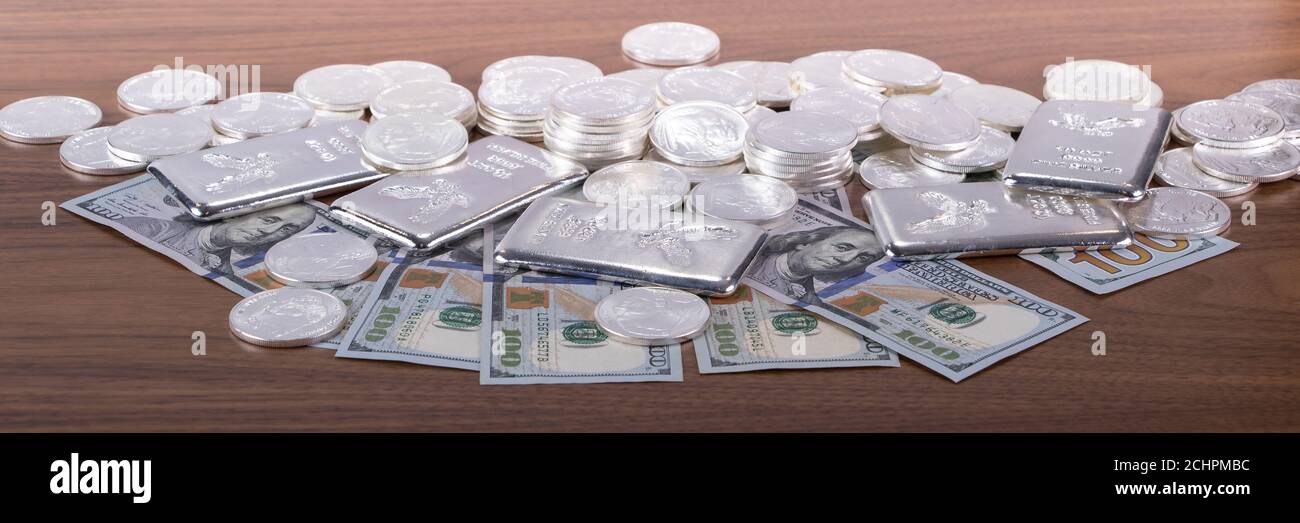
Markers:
point(692, 252)
point(988, 218)
point(422, 211)
point(265, 172)
point(1097, 149)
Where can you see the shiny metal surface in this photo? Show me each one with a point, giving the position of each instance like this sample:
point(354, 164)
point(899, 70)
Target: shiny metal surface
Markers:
point(264, 172)
point(988, 218)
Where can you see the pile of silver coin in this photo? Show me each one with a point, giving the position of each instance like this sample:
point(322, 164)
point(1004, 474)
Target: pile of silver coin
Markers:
point(676, 133)
point(515, 93)
point(599, 122)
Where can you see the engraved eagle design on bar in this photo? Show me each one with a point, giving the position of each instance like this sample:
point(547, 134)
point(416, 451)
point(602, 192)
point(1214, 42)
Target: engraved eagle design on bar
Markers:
point(1103, 128)
point(442, 195)
point(259, 167)
point(953, 214)
point(671, 239)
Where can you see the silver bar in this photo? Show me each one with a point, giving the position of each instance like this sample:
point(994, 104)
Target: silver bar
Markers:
point(270, 171)
point(1096, 149)
point(988, 218)
point(424, 210)
point(692, 252)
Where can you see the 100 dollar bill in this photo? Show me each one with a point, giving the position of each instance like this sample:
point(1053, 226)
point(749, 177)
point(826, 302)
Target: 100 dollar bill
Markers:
point(944, 315)
point(1107, 271)
point(426, 311)
point(229, 252)
point(543, 330)
point(750, 331)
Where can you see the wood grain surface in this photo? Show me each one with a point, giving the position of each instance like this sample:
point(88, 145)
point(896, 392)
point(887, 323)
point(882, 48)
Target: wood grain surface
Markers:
point(96, 329)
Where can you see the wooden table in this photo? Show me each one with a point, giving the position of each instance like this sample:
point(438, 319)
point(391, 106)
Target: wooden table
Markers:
point(97, 329)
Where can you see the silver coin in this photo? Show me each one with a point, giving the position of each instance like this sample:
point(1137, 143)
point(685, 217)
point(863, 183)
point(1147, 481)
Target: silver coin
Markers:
point(1176, 169)
point(1266, 164)
point(896, 168)
point(575, 68)
point(744, 197)
point(648, 77)
point(87, 152)
point(952, 82)
point(1176, 213)
point(1177, 132)
point(321, 260)
point(1234, 125)
point(1286, 85)
point(652, 315)
point(1155, 97)
point(1098, 80)
point(1287, 106)
point(261, 114)
point(288, 317)
point(400, 71)
point(414, 141)
point(929, 122)
point(805, 132)
point(637, 183)
point(989, 153)
point(47, 119)
point(700, 133)
point(167, 90)
point(604, 100)
point(671, 44)
point(771, 80)
point(707, 84)
point(524, 94)
point(818, 70)
point(154, 136)
point(996, 106)
point(894, 70)
point(698, 174)
point(446, 98)
point(342, 87)
point(859, 107)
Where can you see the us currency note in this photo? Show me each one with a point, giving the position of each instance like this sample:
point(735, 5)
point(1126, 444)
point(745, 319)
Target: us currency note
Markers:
point(229, 252)
point(1107, 271)
point(543, 330)
point(944, 315)
point(425, 310)
point(750, 331)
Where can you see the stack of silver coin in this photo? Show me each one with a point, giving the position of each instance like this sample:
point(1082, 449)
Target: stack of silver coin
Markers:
point(703, 139)
point(808, 150)
point(893, 72)
point(516, 92)
point(341, 88)
point(948, 137)
point(670, 44)
point(599, 121)
point(1236, 143)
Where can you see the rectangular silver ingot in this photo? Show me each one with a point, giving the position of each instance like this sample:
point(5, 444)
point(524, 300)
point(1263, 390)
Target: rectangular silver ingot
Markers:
point(691, 252)
point(988, 218)
point(270, 171)
point(421, 210)
point(1097, 149)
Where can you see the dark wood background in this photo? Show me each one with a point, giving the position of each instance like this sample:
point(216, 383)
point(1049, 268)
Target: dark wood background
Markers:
point(96, 330)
